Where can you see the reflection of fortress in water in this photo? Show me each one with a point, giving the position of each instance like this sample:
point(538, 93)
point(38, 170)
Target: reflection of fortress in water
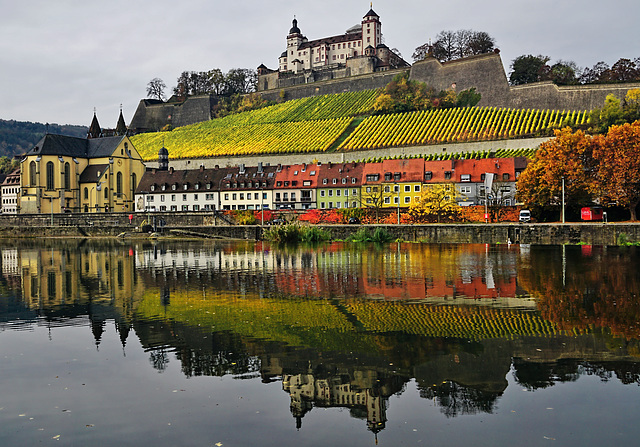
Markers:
point(137, 287)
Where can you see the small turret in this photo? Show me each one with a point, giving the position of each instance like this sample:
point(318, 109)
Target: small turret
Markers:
point(163, 159)
point(95, 131)
point(121, 127)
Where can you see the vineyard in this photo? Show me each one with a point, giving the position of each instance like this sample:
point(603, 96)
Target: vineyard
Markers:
point(320, 123)
point(455, 125)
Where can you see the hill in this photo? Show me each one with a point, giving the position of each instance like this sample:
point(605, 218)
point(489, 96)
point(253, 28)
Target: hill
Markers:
point(345, 122)
point(17, 137)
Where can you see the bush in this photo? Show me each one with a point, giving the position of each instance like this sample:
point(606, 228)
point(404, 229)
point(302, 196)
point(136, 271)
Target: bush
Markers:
point(294, 233)
point(380, 235)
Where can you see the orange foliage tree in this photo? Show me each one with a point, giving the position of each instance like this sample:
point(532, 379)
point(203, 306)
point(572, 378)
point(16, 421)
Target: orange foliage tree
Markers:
point(618, 157)
point(568, 155)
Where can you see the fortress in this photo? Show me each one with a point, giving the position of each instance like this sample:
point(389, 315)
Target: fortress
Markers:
point(359, 60)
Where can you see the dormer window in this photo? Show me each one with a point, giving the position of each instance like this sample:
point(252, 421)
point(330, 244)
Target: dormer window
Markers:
point(185, 186)
point(335, 181)
point(173, 187)
point(153, 187)
point(163, 187)
point(344, 181)
point(324, 181)
point(197, 186)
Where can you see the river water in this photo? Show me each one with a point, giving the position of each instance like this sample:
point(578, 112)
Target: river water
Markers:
point(246, 344)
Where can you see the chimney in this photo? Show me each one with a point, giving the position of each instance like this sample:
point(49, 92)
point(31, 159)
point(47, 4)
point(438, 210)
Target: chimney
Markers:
point(260, 167)
point(201, 168)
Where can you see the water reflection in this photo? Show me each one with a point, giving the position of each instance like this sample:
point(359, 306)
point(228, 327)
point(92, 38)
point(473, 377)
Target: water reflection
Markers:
point(344, 325)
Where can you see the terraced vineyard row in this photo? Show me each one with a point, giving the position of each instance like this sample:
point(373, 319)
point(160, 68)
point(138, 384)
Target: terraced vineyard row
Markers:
point(471, 155)
point(306, 109)
point(268, 138)
point(471, 322)
point(454, 125)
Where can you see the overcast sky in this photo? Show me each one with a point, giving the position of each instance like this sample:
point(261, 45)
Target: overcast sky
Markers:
point(61, 59)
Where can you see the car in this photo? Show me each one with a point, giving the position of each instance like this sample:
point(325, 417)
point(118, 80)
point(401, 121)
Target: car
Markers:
point(354, 220)
point(525, 216)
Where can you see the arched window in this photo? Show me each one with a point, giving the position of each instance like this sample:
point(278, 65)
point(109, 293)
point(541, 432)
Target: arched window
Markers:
point(106, 193)
point(33, 180)
point(51, 185)
point(86, 193)
point(134, 182)
point(119, 184)
point(67, 176)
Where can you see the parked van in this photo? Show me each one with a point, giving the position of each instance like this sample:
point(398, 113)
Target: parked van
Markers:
point(525, 216)
point(591, 213)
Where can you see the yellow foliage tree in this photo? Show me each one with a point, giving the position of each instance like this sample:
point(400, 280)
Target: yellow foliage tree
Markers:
point(436, 200)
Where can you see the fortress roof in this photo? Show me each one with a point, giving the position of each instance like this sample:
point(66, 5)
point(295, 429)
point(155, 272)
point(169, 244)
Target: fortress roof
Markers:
point(331, 40)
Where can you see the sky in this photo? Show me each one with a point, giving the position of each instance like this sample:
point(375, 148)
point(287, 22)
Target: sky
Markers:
point(60, 60)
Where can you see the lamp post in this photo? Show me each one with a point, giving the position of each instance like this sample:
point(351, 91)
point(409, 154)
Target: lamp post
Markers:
point(563, 221)
point(398, 190)
point(262, 205)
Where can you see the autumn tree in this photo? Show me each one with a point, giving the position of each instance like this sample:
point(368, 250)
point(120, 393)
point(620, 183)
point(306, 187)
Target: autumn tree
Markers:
point(155, 89)
point(375, 197)
point(568, 156)
point(618, 158)
point(437, 201)
point(403, 95)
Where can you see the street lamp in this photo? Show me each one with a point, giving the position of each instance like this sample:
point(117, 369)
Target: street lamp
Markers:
point(398, 190)
point(563, 199)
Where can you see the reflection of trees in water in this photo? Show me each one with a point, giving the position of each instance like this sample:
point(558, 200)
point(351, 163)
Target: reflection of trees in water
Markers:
point(159, 359)
point(593, 286)
point(455, 399)
point(536, 375)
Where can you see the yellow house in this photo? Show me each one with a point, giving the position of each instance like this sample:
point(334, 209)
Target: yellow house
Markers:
point(77, 175)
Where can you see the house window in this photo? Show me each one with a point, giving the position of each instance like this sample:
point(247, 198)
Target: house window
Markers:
point(387, 176)
point(447, 175)
point(86, 193)
point(407, 188)
point(465, 189)
point(387, 200)
point(387, 188)
point(184, 197)
point(331, 193)
point(324, 181)
point(173, 198)
point(322, 193)
point(505, 176)
point(106, 194)
point(465, 178)
point(428, 176)
point(226, 196)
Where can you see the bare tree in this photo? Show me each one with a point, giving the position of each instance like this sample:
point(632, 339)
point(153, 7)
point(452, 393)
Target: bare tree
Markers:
point(155, 89)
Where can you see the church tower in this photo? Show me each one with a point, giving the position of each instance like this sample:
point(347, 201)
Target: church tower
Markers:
point(95, 131)
point(371, 29)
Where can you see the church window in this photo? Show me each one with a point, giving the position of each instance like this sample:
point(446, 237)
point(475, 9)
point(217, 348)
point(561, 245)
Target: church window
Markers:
point(50, 177)
point(67, 176)
point(119, 183)
point(86, 193)
point(32, 173)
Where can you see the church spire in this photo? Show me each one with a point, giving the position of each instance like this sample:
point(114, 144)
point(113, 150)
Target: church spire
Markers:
point(121, 127)
point(95, 131)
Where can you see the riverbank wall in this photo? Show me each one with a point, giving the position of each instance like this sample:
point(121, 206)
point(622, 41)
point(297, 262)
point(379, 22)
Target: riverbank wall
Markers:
point(209, 225)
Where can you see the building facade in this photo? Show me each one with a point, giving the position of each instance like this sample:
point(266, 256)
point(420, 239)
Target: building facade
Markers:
point(10, 193)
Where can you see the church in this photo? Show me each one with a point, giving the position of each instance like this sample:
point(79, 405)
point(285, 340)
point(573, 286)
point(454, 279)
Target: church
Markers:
point(360, 50)
point(81, 175)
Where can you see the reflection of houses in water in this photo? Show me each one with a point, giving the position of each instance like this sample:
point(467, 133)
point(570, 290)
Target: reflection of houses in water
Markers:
point(306, 391)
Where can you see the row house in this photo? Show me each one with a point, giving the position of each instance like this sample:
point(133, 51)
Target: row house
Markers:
point(295, 187)
point(10, 192)
point(247, 188)
point(339, 185)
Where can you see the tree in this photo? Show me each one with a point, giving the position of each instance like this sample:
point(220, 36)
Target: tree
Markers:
point(598, 73)
point(564, 73)
point(435, 200)
point(450, 45)
point(624, 70)
point(240, 81)
point(618, 157)
point(155, 89)
point(568, 155)
point(376, 196)
point(403, 95)
point(500, 196)
point(526, 69)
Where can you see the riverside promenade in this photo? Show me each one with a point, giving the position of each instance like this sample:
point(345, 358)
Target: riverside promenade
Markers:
point(211, 225)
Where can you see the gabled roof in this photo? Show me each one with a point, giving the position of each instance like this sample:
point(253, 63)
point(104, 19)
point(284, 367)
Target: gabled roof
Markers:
point(62, 145)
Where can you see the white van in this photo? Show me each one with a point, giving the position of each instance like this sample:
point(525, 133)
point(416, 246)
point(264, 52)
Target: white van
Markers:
point(525, 216)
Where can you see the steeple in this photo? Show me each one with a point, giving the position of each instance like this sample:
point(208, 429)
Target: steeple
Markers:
point(121, 127)
point(95, 131)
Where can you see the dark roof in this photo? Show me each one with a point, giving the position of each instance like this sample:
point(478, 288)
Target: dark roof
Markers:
point(121, 127)
point(90, 174)
point(294, 29)
point(331, 40)
point(371, 13)
point(163, 151)
point(75, 147)
point(94, 130)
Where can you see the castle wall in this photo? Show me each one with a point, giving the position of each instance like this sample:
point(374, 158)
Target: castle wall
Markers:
point(300, 89)
point(153, 116)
